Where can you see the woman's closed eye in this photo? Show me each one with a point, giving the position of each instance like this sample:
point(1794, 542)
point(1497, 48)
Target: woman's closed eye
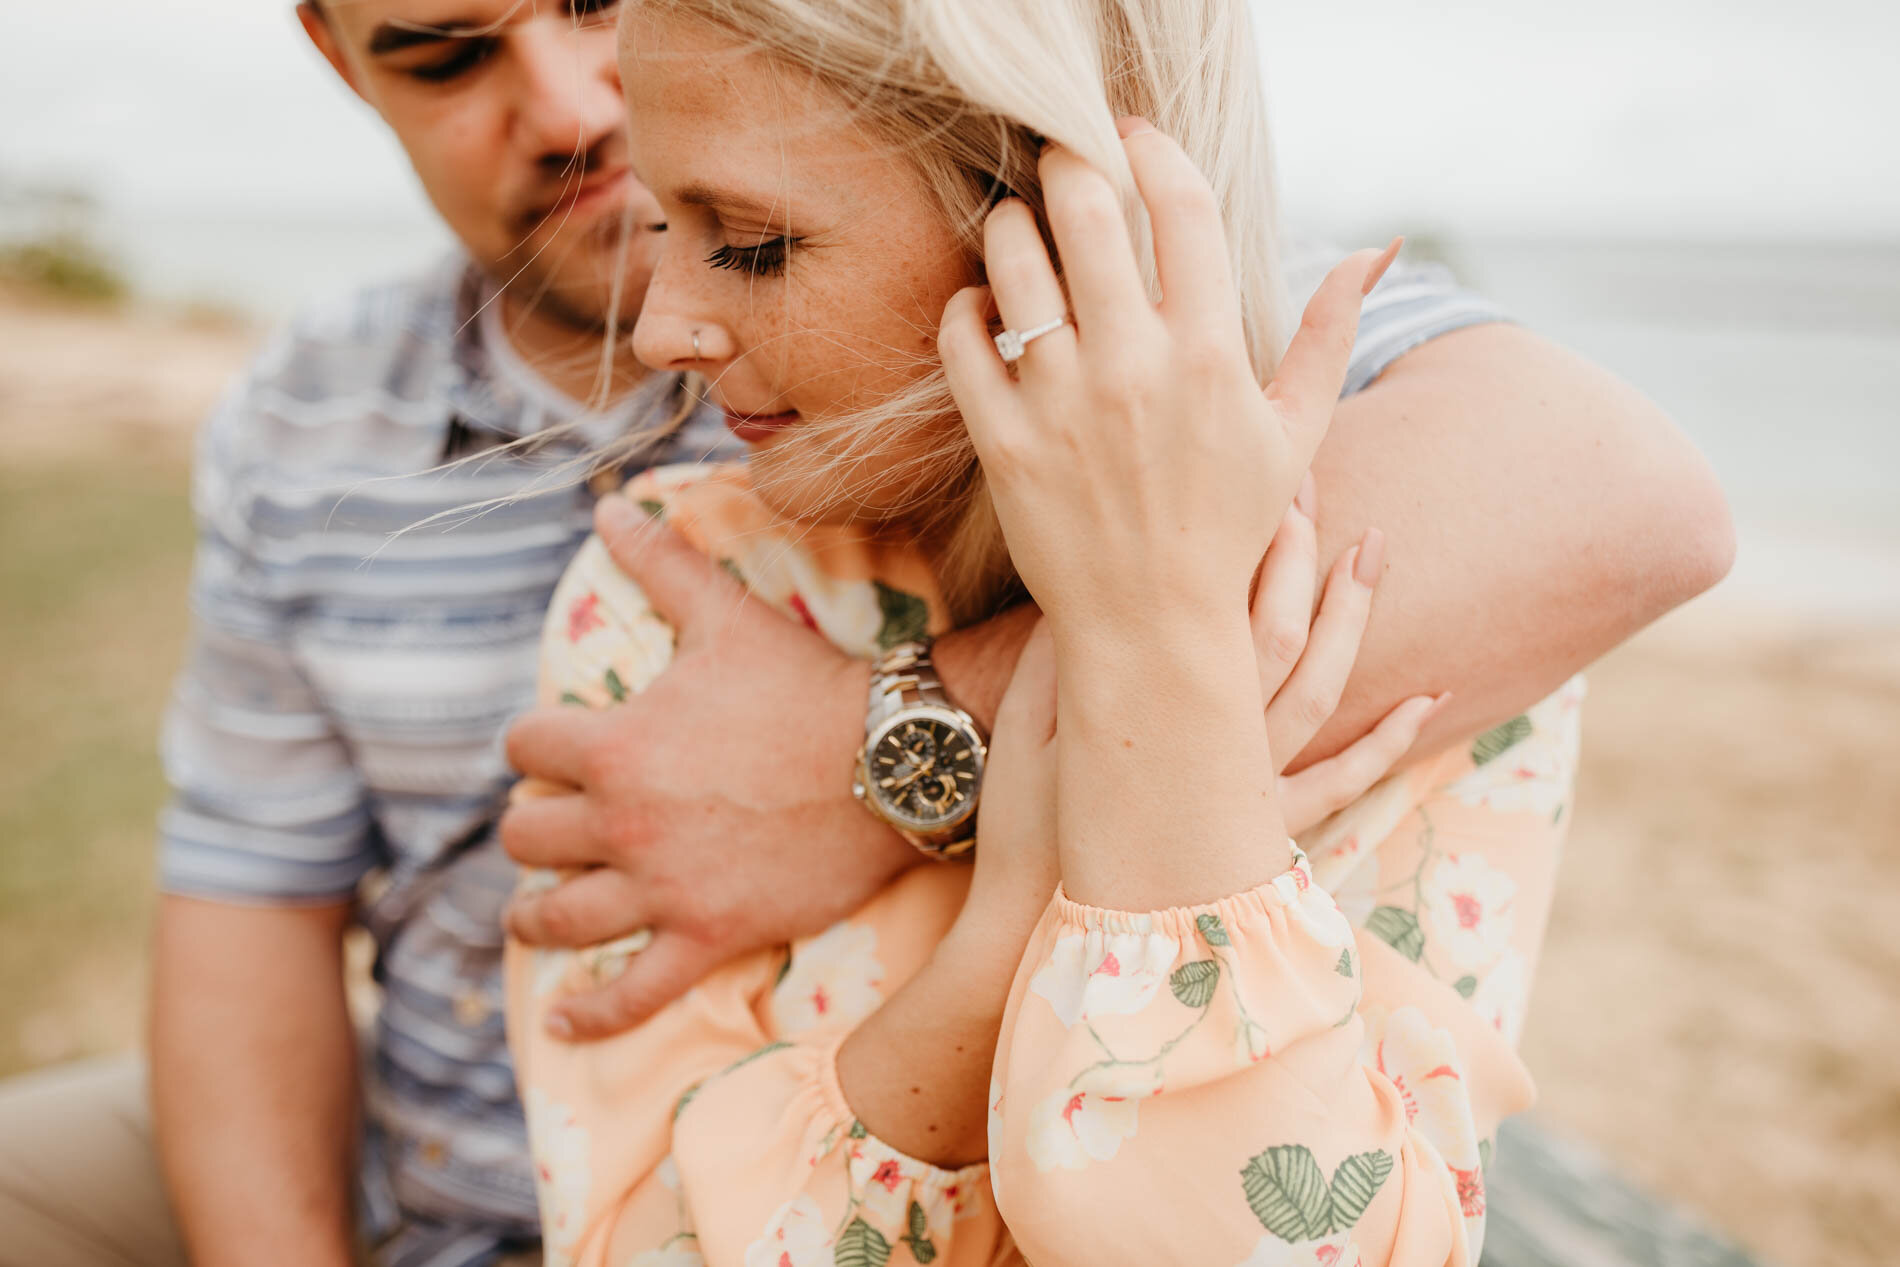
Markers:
point(765, 259)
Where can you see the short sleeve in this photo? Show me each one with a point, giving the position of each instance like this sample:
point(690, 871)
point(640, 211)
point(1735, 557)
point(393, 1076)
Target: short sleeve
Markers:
point(266, 805)
point(1413, 304)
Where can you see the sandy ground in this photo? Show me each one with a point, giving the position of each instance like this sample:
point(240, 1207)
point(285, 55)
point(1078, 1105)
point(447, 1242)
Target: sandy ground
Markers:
point(1716, 1006)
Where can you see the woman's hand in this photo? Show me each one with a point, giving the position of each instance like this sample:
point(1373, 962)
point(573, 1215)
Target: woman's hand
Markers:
point(1136, 465)
point(1306, 658)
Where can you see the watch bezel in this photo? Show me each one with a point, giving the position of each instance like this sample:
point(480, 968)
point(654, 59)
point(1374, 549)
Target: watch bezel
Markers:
point(941, 831)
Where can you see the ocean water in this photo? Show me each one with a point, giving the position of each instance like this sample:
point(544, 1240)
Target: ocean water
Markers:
point(1780, 359)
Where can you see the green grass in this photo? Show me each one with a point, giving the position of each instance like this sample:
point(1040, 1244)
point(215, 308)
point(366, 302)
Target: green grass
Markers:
point(93, 564)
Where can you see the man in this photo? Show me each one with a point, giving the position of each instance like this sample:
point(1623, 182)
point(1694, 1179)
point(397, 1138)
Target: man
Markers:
point(335, 743)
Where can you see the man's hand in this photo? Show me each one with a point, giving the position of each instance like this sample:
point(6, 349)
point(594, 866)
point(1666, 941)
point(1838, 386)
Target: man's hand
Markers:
point(714, 807)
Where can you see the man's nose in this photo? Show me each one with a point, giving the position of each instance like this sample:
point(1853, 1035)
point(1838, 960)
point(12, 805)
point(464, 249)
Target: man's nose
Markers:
point(569, 99)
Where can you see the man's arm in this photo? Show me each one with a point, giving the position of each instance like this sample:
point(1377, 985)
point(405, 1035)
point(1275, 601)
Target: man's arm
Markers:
point(1536, 512)
point(254, 1091)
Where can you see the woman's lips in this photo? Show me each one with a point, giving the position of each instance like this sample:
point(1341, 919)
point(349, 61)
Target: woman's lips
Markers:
point(752, 428)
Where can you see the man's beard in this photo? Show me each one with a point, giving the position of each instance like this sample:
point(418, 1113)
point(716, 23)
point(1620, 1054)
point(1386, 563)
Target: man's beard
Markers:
point(580, 305)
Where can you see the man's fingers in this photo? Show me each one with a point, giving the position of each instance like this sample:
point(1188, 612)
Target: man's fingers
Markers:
point(1283, 603)
point(1190, 244)
point(553, 744)
point(584, 909)
point(1307, 385)
point(1313, 690)
point(1328, 786)
point(652, 978)
point(689, 590)
point(550, 831)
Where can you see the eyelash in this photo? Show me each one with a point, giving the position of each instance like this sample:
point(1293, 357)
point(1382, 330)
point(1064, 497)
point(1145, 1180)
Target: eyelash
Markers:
point(767, 259)
point(472, 53)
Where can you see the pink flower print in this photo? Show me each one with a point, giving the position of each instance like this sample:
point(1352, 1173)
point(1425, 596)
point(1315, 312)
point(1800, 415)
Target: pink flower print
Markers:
point(583, 616)
point(1470, 904)
point(797, 604)
point(1098, 973)
point(1421, 1062)
point(889, 1174)
point(834, 978)
point(1470, 1191)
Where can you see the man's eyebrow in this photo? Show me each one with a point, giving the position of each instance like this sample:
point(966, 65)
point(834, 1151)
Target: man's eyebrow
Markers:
point(698, 195)
point(393, 37)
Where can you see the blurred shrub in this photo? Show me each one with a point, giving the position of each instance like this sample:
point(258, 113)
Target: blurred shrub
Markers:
point(63, 264)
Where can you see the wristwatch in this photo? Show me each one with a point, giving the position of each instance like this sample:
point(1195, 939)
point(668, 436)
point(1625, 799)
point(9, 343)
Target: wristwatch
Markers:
point(921, 766)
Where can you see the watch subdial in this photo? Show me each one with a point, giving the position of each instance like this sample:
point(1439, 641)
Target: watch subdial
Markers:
point(916, 745)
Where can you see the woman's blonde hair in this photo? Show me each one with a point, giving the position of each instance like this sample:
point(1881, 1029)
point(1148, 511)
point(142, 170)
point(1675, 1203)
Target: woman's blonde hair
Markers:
point(967, 90)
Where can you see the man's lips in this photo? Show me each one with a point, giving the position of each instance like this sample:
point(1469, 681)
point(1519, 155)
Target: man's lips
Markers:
point(585, 196)
point(752, 428)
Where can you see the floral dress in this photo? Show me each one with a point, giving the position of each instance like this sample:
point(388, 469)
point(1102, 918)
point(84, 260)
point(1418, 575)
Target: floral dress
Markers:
point(1307, 1072)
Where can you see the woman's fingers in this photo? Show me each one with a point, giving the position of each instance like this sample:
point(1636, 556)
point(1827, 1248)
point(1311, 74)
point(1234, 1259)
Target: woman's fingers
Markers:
point(1311, 374)
point(977, 378)
point(1022, 278)
point(1197, 279)
point(1313, 690)
point(1283, 603)
point(1091, 233)
point(1328, 786)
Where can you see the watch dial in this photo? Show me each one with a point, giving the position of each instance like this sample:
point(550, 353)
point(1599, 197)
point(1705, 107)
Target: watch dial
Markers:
point(925, 771)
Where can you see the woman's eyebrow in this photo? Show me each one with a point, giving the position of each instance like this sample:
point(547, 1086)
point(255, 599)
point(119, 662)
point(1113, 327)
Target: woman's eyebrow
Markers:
point(702, 195)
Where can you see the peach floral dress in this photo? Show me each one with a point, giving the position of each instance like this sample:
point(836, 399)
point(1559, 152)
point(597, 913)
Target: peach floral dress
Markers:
point(1306, 1073)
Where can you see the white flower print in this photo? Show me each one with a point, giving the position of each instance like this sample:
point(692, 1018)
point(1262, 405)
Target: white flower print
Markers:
point(1331, 1251)
point(1317, 915)
point(1099, 973)
point(1532, 776)
point(1469, 904)
point(1250, 1043)
point(1069, 1129)
point(1421, 1061)
point(681, 1253)
point(562, 1174)
point(834, 979)
point(1500, 995)
point(795, 1236)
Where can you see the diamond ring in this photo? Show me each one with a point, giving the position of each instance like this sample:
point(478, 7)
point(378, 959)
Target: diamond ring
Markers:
point(1012, 342)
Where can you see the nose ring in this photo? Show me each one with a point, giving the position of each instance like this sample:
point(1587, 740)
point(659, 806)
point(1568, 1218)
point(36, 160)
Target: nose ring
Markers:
point(695, 343)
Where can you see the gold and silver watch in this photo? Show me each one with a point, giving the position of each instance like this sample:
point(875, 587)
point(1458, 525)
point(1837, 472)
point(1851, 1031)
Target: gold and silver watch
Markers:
point(921, 766)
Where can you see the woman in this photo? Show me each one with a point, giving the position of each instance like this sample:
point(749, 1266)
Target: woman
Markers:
point(1187, 1054)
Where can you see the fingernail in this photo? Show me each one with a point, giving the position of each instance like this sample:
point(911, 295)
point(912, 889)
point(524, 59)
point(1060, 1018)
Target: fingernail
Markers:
point(1307, 499)
point(1371, 560)
point(1132, 125)
point(1381, 264)
point(559, 1026)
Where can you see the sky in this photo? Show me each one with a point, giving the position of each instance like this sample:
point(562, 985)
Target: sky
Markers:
point(1719, 119)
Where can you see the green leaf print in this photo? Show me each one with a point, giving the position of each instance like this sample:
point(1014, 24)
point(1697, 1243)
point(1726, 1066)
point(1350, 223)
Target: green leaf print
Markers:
point(1492, 743)
point(1344, 966)
point(615, 687)
point(1287, 1192)
point(1466, 985)
point(922, 1248)
point(1397, 928)
point(1212, 930)
point(652, 507)
point(568, 697)
point(861, 1245)
point(732, 570)
point(857, 1130)
point(906, 616)
point(785, 970)
point(1484, 1154)
point(686, 1098)
point(1355, 1183)
point(1193, 983)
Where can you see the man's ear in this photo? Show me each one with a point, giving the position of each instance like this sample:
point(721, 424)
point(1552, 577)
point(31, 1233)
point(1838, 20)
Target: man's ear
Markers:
point(318, 28)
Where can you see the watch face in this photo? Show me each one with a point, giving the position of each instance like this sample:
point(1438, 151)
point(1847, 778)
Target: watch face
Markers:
point(924, 770)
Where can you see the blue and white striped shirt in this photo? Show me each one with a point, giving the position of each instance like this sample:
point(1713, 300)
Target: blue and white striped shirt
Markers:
point(336, 730)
